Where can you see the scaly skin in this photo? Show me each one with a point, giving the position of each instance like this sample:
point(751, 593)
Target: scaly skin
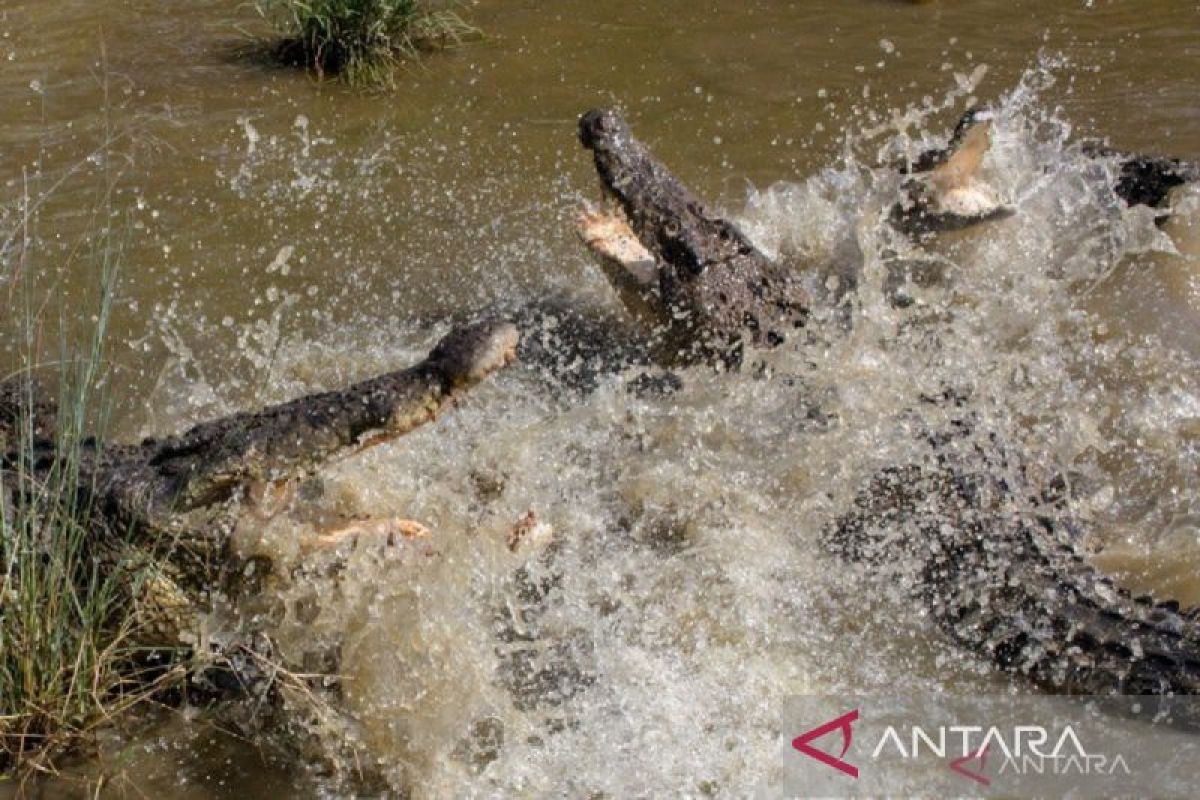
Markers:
point(146, 485)
point(1145, 179)
point(998, 568)
point(715, 287)
point(1002, 574)
point(143, 496)
point(24, 401)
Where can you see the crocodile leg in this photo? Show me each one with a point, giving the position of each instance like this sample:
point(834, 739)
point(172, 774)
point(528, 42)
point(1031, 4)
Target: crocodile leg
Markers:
point(715, 287)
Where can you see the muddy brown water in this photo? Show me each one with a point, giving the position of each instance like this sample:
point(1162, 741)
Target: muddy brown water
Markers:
point(280, 235)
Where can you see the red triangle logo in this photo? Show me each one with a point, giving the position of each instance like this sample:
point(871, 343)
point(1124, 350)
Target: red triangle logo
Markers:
point(842, 723)
point(959, 765)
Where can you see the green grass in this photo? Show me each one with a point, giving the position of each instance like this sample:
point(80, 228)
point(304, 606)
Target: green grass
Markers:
point(69, 659)
point(364, 41)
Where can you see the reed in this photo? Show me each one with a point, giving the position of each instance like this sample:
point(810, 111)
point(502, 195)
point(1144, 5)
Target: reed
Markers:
point(69, 661)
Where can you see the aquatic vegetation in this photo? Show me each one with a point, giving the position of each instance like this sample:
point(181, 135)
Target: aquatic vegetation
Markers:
point(365, 41)
point(108, 583)
point(68, 658)
point(69, 661)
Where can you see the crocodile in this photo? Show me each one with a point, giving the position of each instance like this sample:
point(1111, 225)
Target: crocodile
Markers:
point(163, 509)
point(945, 191)
point(711, 289)
point(1144, 179)
point(1169, 186)
point(999, 569)
point(998, 565)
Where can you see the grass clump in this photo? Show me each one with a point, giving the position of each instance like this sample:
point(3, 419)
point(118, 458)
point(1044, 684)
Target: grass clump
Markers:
point(69, 654)
point(364, 41)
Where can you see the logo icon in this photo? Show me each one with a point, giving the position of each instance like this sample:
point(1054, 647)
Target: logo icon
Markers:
point(959, 765)
point(803, 742)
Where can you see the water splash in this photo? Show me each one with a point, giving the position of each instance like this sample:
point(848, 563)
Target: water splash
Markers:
point(682, 595)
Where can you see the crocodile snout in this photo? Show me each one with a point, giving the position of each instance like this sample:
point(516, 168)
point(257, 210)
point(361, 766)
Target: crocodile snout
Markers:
point(469, 354)
point(600, 126)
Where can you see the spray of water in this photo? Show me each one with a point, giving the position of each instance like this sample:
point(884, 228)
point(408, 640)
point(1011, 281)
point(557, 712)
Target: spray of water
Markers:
point(644, 640)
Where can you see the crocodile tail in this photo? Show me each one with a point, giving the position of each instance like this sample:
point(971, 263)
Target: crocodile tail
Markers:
point(1013, 586)
point(1014, 590)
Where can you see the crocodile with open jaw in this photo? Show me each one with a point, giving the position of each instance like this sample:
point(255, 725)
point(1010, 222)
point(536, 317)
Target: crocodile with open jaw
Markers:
point(712, 288)
point(996, 562)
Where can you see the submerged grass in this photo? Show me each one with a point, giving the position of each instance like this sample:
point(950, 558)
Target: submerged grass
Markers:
point(364, 41)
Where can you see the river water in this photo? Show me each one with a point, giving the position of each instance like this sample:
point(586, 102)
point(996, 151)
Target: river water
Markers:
point(281, 236)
